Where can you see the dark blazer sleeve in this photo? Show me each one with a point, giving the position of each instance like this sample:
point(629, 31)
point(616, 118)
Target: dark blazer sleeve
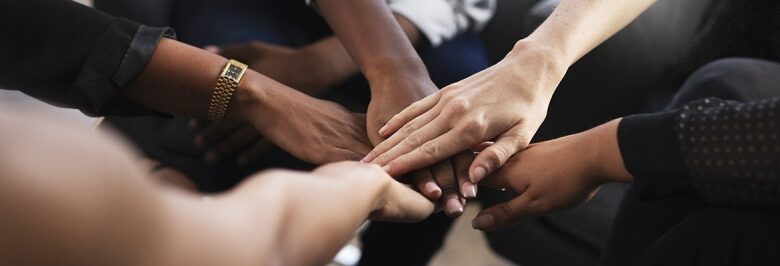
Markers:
point(725, 152)
point(73, 56)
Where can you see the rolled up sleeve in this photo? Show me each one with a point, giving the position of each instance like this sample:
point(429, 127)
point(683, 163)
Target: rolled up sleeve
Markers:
point(74, 56)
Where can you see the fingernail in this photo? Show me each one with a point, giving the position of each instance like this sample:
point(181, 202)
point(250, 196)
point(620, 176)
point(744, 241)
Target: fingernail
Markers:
point(432, 189)
point(387, 168)
point(211, 48)
point(454, 207)
point(468, 189)
point(368, 158)
point(211, 157)
point(478, 174)
point(483, 222)
point(241, 161)
point(383, 130)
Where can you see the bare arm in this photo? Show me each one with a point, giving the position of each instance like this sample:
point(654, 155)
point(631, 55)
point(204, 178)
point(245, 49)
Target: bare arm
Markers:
point(507, 102)
point(97, 205)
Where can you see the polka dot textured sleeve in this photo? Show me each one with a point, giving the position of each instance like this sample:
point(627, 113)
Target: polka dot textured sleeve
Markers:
point(731, 151)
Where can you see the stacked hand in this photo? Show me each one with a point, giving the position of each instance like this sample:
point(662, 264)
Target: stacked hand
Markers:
point(313, 130)
point(445, 181)
point(397, 203)
point(319, 131)
point(505, 103)
point(555, 175)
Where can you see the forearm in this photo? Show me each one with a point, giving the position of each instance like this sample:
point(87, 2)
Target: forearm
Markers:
point(180, 79)
point(314, 215)
point(578, 26)
point(337, 64)
point(374, 39)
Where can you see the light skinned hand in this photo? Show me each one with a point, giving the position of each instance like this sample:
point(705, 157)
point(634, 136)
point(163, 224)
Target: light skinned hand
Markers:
point(505, 103)
point(398, 202)
point(554, 175)
point(446, 180)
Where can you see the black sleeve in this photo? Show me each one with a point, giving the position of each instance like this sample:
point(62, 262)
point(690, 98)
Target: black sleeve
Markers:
point(73, 56)
point(725, 152)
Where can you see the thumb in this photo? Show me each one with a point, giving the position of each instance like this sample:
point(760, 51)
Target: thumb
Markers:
point(507, 213)
point(492, 158)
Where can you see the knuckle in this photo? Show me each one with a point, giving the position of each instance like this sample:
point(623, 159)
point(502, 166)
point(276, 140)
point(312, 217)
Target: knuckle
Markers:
point(508, 213)
point(414, 141)
point(458, 106)
point(430, 148)
point(473, 127)
point(495, 156)
point(409, 128)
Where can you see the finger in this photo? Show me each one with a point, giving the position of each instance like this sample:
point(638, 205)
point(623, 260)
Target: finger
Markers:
point(452, 201)
point(340, 155)
point(461, 163)
point(508, 213)
point(234, 142)
point(430, 152)
point(360, 147)
point(213, 133)
point(410, 128)
point(424, 182)
point(253, 153)
point(493, 157)
point(401, 144)
point(403, 205)
point(410, 112)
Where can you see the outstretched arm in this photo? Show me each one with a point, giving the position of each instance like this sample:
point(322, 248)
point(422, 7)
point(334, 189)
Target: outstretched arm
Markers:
point(97, 205)
point(507, 102)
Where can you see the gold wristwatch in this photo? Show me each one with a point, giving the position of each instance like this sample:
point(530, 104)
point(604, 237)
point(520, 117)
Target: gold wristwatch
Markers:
point(226, 84)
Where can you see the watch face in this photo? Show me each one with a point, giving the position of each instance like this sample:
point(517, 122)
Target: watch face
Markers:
point(233, 72)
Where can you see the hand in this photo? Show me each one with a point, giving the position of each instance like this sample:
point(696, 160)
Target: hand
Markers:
point(440, 182)
point(555, 175)
point(221, 139)
point(396, 202)
point(303, 69)
point(310, 129)
point(505, 103)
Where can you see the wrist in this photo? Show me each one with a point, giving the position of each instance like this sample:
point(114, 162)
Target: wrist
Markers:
point(391, 70)
point(249, 98)
point(607, 159)
point(548, 62)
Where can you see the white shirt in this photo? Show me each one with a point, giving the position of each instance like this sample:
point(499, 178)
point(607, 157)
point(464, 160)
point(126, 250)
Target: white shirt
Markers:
point(442, 20)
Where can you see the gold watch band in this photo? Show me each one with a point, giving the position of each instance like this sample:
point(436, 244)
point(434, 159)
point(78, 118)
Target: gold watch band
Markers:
point(226, 84)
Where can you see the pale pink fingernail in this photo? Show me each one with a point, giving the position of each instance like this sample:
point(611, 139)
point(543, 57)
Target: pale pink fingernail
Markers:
point(454, 207)
point(432, 189)
point(468, 189)
point(484, 221)
point(478, 174)
point(383, 130)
